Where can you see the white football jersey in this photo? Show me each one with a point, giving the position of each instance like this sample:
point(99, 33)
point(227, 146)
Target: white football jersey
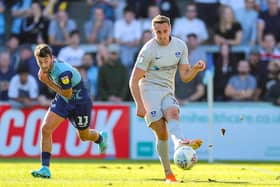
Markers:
point(160, 62)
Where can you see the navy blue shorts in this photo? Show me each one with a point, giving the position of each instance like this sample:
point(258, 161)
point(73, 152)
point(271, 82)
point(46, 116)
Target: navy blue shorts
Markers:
point(78, 113)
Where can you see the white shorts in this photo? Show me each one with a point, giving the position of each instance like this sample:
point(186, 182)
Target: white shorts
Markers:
point(156, 101)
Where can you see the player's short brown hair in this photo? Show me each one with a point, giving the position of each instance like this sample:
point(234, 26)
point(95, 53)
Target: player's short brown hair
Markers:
point(160, 19)
point(42, 50)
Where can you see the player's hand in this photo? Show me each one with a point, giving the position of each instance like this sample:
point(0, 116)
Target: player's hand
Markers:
point(200, 65)
point(43, 77)
point(140, 111)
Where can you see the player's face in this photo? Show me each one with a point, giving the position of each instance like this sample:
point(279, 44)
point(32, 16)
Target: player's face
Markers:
point(162, 33)
point(45, 63)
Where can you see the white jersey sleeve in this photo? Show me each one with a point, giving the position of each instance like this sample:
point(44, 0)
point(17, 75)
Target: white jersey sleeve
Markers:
point(144, 57)
point(185, 57)
point(160, 62)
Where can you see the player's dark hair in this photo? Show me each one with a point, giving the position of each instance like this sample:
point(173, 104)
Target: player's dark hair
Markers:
point(42, 50)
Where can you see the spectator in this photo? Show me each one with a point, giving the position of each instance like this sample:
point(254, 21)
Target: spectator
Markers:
point(20, 9)
point(113, 79)
point(225, 67)
point(107, 6)
point(146, 36)
point(190, 24)
point(241, 87)
point(6, 74)
point(153, 10)
point(273, 68)
point(269, 22)
point(60, 28)
point(207, 10)
point(262, 5)
point(98, 29)
point(23, 89)
point(91, 69)
point(34, 28)
point(27, 57)
point(51, 7)
point(127, 35)
point(169, 8)
point(119, 9)
point(269, 51)
point(72, 53)
point(12, 46)
point(259, 70)
point(273, 93)
point(247, 17)
point(233, 4)
point(228, 30)
point(190, 92)
point(139, 7)
point(102, 55)
point(195, 53)
point(2, 22)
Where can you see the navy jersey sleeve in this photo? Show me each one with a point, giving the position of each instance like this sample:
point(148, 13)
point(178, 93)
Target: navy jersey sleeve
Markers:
point(65, 79)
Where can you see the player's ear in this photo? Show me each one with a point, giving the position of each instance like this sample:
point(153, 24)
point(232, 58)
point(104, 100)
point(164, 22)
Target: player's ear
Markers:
point(51, 57)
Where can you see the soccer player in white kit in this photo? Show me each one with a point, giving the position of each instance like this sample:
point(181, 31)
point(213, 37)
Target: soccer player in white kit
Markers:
point(152, 87)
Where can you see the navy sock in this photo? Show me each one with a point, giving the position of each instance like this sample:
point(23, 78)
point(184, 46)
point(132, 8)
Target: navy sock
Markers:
point(99, 140)
point(45, 158)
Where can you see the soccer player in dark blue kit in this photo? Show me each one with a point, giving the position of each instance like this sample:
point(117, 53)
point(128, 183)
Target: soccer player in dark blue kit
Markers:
point(72, 101)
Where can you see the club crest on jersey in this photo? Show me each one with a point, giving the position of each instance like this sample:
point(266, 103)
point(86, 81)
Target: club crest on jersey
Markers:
point(153, 113)
point(65, 80)
point(178, 54)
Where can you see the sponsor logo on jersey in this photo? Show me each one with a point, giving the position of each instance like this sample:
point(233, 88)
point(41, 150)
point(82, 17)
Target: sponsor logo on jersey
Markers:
point(65, 80)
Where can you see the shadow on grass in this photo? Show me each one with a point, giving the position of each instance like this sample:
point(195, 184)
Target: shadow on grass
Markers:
point(218, 182)
point(204, 181)
point(225, 182)
point(155, 179)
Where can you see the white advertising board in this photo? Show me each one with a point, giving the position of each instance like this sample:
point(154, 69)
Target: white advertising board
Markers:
point(252, 132)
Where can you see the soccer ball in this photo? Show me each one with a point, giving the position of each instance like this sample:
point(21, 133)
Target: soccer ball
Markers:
point(185, 157)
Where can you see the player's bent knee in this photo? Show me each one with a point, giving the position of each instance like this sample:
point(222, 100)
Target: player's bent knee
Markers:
point(46, 130)
point(171, 113)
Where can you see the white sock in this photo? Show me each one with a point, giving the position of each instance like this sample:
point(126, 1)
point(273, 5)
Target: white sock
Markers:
point(174, 129)
point(162, 149)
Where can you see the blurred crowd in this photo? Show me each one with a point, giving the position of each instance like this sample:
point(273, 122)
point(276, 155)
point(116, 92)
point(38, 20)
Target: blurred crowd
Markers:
point(119, 28)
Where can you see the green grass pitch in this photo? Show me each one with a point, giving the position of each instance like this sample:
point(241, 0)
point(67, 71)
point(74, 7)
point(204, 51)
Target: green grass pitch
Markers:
point(84, 173)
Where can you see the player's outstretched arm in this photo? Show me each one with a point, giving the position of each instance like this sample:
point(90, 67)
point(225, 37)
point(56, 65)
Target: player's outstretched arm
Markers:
point(188, 73)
